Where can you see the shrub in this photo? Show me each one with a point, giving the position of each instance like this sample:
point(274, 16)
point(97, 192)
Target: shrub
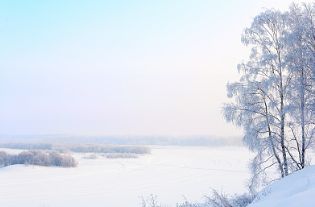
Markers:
point(37, 158)
point(109, 149)
point(120, 155)
point(217, 199)
point(90, 157)
point(4, 159)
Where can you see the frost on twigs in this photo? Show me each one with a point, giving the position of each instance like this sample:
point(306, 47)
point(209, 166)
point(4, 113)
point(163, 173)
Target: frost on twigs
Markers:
point(274, 99)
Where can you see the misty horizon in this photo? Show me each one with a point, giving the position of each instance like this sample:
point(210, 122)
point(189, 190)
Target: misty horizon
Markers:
point(120, 68)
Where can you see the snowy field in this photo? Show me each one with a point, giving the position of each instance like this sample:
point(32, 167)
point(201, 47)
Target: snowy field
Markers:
point(172, 173)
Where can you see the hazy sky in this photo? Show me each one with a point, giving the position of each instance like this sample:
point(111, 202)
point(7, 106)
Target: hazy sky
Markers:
point(120, 67)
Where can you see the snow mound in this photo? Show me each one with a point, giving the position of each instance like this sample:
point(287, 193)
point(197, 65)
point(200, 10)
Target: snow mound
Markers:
point(295, 190)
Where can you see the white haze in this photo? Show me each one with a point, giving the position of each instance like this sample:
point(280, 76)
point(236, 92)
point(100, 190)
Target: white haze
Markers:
point(132, 71)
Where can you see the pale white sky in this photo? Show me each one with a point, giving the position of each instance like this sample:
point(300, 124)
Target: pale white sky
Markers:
point(123, 68)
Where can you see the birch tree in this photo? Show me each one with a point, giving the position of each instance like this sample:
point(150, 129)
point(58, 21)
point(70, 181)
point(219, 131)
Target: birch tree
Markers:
point(260, 95)
point(274, 99)
point(300, 42)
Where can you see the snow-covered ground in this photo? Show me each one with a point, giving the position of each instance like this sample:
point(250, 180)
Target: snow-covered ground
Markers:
point(296, 190)
point(171, 173)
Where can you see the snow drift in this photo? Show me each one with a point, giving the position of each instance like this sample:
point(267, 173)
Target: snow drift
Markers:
point(295, 190)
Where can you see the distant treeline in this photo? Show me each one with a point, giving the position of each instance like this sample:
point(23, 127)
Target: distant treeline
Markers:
point(126, 140)
point(27, 146)
point(83, 148)
point(37, 158)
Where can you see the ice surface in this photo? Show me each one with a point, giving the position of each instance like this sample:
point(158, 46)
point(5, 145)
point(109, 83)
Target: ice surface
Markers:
point(171, 173)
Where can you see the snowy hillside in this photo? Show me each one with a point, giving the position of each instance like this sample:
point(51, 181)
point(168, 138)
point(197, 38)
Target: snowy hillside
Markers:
point(296, 190)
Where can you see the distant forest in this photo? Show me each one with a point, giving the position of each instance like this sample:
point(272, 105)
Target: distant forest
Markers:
point(125, 140)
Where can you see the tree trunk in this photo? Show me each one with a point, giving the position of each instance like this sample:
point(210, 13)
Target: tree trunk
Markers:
point(280, 166)
point(284, 154)
point(282, 118)
point(303, 118)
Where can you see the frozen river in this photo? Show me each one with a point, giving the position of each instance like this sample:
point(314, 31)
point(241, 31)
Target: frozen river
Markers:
point(171, 173)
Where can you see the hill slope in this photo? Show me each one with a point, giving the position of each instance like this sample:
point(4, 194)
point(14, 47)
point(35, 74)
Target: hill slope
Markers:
point(296, 190)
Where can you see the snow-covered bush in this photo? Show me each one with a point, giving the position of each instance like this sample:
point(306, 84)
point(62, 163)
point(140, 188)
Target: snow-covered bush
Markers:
point(90, 157)
point(98, 148)
point(120, 155)
point(62, 160)
point(151, 201)
point(216, 199)
point(4, 159)
point(37, 158)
